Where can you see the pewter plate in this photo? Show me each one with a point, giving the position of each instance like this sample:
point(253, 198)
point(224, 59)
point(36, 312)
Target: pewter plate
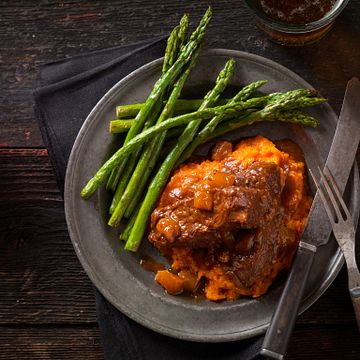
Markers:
point(117, 273)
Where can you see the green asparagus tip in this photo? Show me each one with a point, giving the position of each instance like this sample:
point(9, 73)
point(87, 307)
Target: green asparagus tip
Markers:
point(209, 11)
point(183, 30)
point(227, 71)
point(320, 100)
point(232, 61)
point(184, 22)
point(208, 15)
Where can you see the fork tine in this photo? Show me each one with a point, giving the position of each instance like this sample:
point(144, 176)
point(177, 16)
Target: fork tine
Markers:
point(337, 192)
point(323, 198)
point(331, 195)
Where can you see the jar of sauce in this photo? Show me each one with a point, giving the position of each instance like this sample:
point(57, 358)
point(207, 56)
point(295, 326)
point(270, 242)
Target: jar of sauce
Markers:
point(296, 22)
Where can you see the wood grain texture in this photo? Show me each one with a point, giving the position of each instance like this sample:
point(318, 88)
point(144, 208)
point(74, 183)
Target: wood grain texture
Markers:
point(315, 342)
point(45, 343)
point(41, 279)
point(24, 343)
point(27, 176)
point(37, 258)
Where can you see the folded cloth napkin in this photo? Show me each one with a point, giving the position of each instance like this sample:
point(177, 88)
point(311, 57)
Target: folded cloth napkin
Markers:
point(70, 88)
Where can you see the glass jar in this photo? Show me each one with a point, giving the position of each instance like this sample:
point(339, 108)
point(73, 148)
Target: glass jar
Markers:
point(295, 33)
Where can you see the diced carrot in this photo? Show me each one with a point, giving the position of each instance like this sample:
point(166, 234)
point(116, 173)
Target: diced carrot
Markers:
point(221, 179)
point(169, 228)
point(203, 200)
point(172, 283)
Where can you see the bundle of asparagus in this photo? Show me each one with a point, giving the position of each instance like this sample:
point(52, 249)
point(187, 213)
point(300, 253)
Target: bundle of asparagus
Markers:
point(129, 169)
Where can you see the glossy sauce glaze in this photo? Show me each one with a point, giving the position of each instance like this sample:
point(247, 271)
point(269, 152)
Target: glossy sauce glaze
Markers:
point(295, 11)
point(233, 222)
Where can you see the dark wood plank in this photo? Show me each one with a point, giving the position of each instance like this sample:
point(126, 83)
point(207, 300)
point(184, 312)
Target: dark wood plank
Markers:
point(332, 342)
point(35, 33)
point(41, 280)
point(84, 343)
point(23, 343)
point(333, 307)
point(26, 176)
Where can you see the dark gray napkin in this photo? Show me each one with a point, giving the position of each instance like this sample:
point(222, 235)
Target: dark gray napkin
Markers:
point(69, 90)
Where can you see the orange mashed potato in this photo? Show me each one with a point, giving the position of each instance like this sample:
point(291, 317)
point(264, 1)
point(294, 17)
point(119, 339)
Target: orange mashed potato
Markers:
point(231, 224)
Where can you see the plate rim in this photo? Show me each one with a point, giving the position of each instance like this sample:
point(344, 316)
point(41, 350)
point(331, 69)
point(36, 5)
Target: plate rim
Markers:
point(91, 272)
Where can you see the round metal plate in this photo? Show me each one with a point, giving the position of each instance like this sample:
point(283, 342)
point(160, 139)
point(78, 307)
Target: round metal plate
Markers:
point(117, 273)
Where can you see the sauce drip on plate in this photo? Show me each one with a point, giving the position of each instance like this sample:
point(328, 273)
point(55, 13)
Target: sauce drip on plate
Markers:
point(149, 264)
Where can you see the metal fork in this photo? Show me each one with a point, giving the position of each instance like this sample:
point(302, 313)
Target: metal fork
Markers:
point(344, 231)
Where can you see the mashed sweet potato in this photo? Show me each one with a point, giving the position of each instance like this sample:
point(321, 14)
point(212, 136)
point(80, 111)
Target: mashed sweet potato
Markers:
point(231, 224)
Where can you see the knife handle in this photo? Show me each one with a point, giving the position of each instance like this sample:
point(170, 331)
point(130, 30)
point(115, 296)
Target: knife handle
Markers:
point(355, 298)
point(282, 323)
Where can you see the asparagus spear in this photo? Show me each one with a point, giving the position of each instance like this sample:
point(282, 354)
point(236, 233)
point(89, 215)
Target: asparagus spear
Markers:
point(291, 116)
point(183, 32)
point(149, 133)
point(303, 101)
point(126, 175)
point(171, 50)
point(242, 95)
point(172, 133)
point(295, 117)
point(118, 178)
point(175, 41)
point(185, 55)
point(121, 173)
point(160, 86)
point(126, 232)
point(120, 126)
point(181, 105)
point(155, 155)
point(91, 186)
point(230, 111)
point(151, 152)
point(163, 174)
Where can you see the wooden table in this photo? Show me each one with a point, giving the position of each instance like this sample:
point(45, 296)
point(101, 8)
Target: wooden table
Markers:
point(46, 300)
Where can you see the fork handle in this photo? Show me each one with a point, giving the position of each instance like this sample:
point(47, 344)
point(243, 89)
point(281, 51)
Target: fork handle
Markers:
point(353, 276)
point(282, 323)
point(355, 298)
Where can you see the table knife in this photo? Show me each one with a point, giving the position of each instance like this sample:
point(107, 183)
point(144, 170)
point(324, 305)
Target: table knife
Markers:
point(318, 228)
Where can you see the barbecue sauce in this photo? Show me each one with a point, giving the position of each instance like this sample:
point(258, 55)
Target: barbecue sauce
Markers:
point(295, 11)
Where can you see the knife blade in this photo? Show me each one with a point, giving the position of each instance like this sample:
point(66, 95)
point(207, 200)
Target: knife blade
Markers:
point(339, 161)
point(318, 228)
